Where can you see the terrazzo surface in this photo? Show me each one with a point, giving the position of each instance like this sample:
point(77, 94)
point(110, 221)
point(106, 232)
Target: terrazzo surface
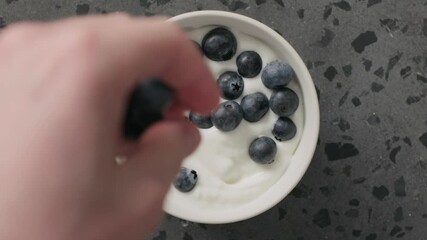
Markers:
point(368, 59)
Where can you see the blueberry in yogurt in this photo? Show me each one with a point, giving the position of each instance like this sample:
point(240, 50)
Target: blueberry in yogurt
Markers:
point(231, 85)
point(219, 44)
point(277, 74)
point(201, 121)
point(227, 116)
point(263, 150)
point(254, 106)
point(249, 64)
point(284, 102)
point(145, 106)
point(284, 129)
point(185, 180)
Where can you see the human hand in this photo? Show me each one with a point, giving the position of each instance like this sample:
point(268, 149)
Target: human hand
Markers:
point(63, 92)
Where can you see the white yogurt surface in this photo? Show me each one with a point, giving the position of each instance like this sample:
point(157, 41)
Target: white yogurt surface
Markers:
point(227, 177)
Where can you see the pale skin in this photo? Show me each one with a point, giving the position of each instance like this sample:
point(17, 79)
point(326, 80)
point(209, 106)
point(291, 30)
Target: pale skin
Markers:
point(63, 92)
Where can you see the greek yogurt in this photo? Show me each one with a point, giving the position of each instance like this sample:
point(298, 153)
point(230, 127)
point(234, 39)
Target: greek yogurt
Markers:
point(227, 177)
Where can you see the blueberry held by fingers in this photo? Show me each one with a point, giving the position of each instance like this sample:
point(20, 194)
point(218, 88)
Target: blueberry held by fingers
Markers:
point(219, 44)
point(185, 180)
point(277, 75)
point(249, 64)
point(284, 102)
point(284, 129)
point(201, 121)
point(227, 116)
point(254, 106)
point(231, 85)
point(263, 150)
point(145, 106)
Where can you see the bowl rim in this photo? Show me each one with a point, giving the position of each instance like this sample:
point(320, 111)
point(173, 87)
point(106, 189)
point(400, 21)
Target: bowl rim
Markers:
point(304, 151)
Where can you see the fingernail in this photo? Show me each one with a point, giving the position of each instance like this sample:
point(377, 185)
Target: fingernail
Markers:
point(191, 135)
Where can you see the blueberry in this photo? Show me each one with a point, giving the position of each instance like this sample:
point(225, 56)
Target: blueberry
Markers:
point(284, 102)
point(227, 116)
point(284, 129)
point(231, 85)
point(249, 64)
point(201, 121)
point(145, 106)
point(219, 44)
point(277, 75)
point(254, 106)
point(186, 180)
point(263, 150)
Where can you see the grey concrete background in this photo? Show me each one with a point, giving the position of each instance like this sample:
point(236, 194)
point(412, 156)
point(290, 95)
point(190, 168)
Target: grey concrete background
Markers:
point(368, 59)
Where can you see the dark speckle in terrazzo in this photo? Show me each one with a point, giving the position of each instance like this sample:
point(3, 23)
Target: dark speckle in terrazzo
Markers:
point(367, 63)
point(405, 72)
point(343, 124)
point(393, 153)
point(354, 202)
point(359, 180)
point(330, 73)
point(336, 22)
point(399, 187)
point(161, 236)
point(376, 87)
point(325, 191)
point(301, 191)
point(321, 218)
point(363, 40)
point(396, 229)
point(327, 11)
point(187, 236)
point(328, 171)
point(389, 24)
point(392, 63)
point(236, 5)
point(347, 69)
point(300, 13)
point(380, 192)
point(259, 2)
point(356, 233)
point(373, 2)
point(379, 72)
point(423, 139)
point(344, 5)
point(373, 120)
point(412, 99)
point(280, 2)
point(398, 214)
point(282, 213)
point(82, 9)
point(326, 38)
point(407, 141)
point(421, 78)
point(343, 99)
point(10, 1)
point(371, 236)
point(337, 151)
point(356, 101)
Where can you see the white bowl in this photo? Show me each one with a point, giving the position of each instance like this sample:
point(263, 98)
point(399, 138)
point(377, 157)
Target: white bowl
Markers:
point(307, 145)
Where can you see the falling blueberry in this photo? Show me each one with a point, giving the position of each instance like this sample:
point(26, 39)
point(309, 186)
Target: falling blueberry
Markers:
point(249, 64)
point(284, 129)
point(201, 121)
point(263, 150)
point(219, 44)
point(227, 116)
point(284, 102)
point(145, 106)
point(186, 180)
point(231, 85)
point(277, 75)
point(254, 106)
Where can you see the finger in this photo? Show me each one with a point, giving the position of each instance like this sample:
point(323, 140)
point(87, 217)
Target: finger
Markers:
point(129, 48)
point(161, 151)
